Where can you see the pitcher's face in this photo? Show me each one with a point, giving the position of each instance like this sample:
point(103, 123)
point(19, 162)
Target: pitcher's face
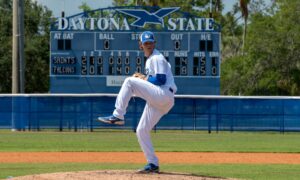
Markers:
point(148, 48)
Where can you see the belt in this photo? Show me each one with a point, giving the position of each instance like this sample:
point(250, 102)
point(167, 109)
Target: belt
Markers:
point(170, 89)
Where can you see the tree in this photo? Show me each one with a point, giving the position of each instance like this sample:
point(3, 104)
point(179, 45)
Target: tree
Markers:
point(36, 25)
point(6, 44)
point(271, 65)
point(231, 36)
point(245, 13)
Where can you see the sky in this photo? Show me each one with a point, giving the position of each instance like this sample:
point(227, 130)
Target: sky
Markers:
point(71, 6)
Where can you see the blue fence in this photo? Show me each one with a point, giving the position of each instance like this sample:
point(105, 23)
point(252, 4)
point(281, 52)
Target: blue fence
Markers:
point(212, 113)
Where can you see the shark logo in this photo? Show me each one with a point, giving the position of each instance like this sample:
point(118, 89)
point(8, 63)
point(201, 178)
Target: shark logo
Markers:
point(144, 16)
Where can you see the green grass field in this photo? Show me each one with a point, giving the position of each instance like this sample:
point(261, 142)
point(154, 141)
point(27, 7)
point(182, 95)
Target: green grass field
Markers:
point(190, 141)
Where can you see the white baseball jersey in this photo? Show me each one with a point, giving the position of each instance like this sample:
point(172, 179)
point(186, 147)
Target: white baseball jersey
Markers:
point(159, 100)
point(157, 64)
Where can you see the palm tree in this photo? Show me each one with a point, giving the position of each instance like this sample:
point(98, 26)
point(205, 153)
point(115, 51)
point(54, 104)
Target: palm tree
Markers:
point(244, 9)
point(218, 5)
point(148, 2)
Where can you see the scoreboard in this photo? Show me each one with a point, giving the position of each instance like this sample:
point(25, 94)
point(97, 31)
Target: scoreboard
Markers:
point(95, 55)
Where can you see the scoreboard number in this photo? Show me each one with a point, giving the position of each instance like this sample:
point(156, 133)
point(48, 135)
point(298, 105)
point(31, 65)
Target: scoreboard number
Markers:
point(100, 65)
point(92, 66)
point(83, 65)
point(181, 66)
point(127, 60)
point(106, 44)
point(138, 62)
point(202, 66)
point(119, 65)
point(111, 65)
point(127, 66)
point(213, 66)
point(119, 60)
point(119, 70)
point(176, 45)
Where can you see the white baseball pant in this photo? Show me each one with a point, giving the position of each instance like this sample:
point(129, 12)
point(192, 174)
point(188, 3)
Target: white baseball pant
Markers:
point(159, 100)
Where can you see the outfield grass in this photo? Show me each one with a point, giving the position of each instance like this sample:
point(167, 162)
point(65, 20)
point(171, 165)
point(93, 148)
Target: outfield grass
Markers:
point(189, 141)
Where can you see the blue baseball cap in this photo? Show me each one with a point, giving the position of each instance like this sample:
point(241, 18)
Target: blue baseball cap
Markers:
point(147, 36)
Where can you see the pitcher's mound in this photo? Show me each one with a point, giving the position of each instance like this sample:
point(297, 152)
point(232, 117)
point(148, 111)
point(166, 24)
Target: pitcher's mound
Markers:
point(112, 175)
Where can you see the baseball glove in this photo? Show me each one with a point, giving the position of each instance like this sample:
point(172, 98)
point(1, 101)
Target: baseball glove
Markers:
point(139, 75)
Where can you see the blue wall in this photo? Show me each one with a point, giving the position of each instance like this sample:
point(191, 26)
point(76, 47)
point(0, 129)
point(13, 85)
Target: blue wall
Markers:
point(211, 113)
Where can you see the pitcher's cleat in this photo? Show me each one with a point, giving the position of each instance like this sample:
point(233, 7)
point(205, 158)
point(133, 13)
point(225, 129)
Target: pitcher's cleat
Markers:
point(149, 168)
point(111, 120)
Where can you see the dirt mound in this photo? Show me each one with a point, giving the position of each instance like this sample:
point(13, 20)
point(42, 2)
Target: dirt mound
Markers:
point(112, 175)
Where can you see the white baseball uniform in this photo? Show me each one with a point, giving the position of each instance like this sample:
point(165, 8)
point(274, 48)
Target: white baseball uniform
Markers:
point(159, 100)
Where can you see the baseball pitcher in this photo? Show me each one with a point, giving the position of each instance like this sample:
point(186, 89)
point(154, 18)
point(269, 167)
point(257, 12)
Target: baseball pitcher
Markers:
point(157, 88)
